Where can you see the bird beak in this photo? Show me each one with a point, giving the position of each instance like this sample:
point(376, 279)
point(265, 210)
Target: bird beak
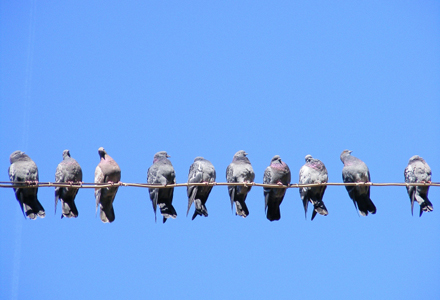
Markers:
point(168, 156)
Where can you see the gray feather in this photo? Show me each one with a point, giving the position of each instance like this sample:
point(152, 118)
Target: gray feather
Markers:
point(162, 172)
point(106, 171)
point(239, 170)
point(418, 171)
point(355, 170)
point(68, 170)
point(313, 171)
point(23, 169)
point(200, 171)
point(276, 173)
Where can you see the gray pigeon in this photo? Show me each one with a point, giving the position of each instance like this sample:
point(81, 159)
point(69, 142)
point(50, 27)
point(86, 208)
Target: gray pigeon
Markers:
point(313, 171)
point(24, 169)
point(276, 173)
point(107, 171)
point(355, 170)
point(200, 171)
point(67, 171)
point(418, 171)
point(240, 170)
point(162, 172)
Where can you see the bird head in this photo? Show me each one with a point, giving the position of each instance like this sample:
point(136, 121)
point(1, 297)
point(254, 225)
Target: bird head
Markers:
point(308, 158)
point(66, 153)
point(102, 152)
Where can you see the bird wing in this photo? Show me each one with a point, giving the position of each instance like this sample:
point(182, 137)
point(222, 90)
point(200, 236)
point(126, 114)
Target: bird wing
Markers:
point(99, 178)
point(11, 171)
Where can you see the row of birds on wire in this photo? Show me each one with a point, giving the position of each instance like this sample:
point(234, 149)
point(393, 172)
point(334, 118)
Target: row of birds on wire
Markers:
point(23, 170)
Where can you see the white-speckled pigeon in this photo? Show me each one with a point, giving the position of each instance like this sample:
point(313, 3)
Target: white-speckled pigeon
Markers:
point(355, 170)
point(107, 171)
point(313, 171)
point(162, 172)
point(276, 173)
point(68, 170)
point(240, 170)
point(418, 171)
point(200, 171)
point(23, 169)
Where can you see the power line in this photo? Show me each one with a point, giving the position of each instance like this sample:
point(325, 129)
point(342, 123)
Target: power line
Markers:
point(80, 185)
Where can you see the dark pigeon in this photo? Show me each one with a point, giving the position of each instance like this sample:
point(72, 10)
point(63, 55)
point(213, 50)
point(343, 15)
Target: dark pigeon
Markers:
point(67, 171)
point(418, 171)
point(313, 171)
point(276, 173)
point(107, 171)
point(355, 170)
point(162, 172)
point(240, 170)
point(24, 169)
point(200, 171)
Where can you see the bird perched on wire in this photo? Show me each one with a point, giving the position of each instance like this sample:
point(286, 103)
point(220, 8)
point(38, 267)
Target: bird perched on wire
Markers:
point(313, 171)
point(23, 169)
point(200, 171)
point(239, 170)
point(68, 170)
point(276, 173)
point(162, 172)
point(418, 171)
point(355, 170)
point(107, 171)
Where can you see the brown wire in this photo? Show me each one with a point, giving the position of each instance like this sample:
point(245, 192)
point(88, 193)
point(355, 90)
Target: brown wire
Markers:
point(82, 185)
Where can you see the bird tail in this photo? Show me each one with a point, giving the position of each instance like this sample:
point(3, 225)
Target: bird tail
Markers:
point(69, 209)
point(425, 205)
point(273, 211)
point(167, 210)
point(319, 208)
point(29, 204)
point(366, 205)
point(107, 213)
point(34, 209)
point(241, 208)
point(200, 209)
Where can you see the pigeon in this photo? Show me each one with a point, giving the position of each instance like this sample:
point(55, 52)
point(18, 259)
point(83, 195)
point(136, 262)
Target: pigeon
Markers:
point(24, 169)
point(67, 171)
point(276, 173)
point(355, 170)
point(239, 170)
point(313, 171)
point(107, 171)
point(418, 171)
point(200, 171)
point(162, 172)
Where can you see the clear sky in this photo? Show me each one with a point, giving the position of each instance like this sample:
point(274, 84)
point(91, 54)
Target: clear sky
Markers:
point(209, 78)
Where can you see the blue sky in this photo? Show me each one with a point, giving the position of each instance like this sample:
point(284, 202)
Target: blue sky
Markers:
point(208, 79)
